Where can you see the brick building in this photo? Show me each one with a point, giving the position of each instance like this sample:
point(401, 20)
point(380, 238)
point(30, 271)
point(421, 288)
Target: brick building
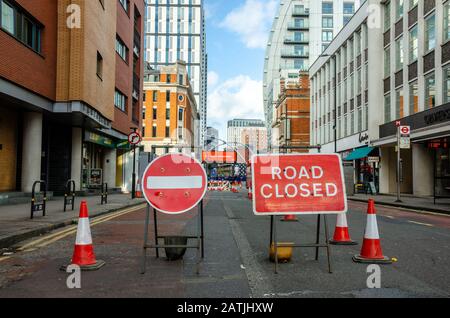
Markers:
point(170, 109)
point(60, 117)
point(292, 123)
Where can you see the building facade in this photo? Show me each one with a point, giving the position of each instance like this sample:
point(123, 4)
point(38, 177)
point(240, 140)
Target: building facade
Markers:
point(408, 83)
point(175, 30)
point(302, 29)
point(170, 110)
point(239, 128)
point(57, 82)
point(292, 120)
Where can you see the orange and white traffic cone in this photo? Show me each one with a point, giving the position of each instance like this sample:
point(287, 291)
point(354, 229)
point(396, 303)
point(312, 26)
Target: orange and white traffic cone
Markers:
point(138, 190)
point(289, 218)
point(341, 235)
point(371, 249)
point(83, 254)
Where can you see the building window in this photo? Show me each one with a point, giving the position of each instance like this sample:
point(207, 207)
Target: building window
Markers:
point(387, 62)
point(447, 21)
point(327, 22)
point(412, 3)
point(349, 8)
point(413, 98)
point(413, 45)
point(327, 36)
point(167, 96)
point(399, 53)
point(155, 113)
point(181, 114)
point(399, 9)
point(125, 4)
point(399, 103)
point(430, 91)
point(346, 19)
point(327, 7)
point(20, 25)
point(167, 113)
point(430, 33)
point(387, 108)
point(154, 131)
point(121, 49)
point(155, 96)
point(446, 91)
point(167, 134)
point(387, 16)
point(99, 65)
point(120, 101)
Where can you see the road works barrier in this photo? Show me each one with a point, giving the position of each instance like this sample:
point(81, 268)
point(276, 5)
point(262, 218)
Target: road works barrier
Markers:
point(371, 251)
point(298, 184)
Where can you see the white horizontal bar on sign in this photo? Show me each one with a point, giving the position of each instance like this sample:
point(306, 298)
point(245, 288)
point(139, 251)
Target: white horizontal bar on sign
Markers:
point(163, 183)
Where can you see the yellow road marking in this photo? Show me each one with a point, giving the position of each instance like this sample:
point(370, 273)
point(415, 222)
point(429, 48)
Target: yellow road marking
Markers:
point(51, 238)
point(419, 223)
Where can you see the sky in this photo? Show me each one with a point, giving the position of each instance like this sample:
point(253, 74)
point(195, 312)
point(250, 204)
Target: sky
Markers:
point(236, 33)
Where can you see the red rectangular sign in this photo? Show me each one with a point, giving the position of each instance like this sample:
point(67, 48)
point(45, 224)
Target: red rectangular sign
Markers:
point(298, 184)
point(219, 156)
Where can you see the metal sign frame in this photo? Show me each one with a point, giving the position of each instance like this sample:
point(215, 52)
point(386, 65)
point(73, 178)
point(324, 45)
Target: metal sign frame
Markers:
point(69, 195)
point(317, 244)
point(199, 238)
point(37, 207)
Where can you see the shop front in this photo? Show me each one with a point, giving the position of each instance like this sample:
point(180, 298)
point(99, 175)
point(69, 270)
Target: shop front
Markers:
point(366, 169)
point(440, 147)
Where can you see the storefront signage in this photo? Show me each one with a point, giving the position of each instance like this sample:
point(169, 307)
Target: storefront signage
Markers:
point(424, 119)
point(373, 159)
point(98, 139)
point(363, 137)
point(95, 177)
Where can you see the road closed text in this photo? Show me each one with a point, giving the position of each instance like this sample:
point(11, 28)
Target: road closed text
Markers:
point(294, 189)
point(301, 184)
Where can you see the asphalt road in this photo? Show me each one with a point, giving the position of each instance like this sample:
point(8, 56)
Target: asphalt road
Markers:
point(236, 258)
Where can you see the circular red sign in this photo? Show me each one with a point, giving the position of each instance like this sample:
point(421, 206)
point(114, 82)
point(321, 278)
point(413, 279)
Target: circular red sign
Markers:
point(134, 138)
point(405, 130)
point(174, 183)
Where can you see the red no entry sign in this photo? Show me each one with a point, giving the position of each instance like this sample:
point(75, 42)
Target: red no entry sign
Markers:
point(174, 183)
point(298, 184)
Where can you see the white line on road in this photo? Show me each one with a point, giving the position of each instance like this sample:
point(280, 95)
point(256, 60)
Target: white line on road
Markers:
point(420, 223)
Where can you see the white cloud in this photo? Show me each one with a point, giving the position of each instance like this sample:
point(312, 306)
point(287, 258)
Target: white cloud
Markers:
point(238, 97)
point(213, 79)
point(252, 22)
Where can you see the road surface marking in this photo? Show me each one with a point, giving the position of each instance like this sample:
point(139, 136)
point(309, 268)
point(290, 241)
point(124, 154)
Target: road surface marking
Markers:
point(51, 238)
point(420, 223)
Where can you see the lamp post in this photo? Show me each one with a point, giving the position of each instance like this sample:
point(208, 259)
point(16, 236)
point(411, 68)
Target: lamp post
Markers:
point(133, 177)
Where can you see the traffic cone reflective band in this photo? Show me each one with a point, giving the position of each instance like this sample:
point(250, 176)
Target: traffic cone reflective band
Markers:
point(341, 235)
point(371, 249)
point(289, 218)
point(138, 190)
point(83, 254)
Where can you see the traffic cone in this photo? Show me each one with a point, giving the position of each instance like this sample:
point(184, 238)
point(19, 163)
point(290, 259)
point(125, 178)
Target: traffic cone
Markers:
point(138, 190)
point(371, 249)
point(289, 218)
point(83, 254)
point(341, 236)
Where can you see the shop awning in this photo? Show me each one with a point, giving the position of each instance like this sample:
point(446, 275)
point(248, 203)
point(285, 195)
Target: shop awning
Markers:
point(359, 153)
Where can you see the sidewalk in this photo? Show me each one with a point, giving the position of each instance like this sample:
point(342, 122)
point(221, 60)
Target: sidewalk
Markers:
point(16, 226)
point(409, 202)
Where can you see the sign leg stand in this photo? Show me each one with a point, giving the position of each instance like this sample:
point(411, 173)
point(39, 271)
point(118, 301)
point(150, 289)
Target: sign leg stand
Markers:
point(155, 222)
point(318, 237)
point(144, 250)
point(275, 244)
point(327, 241)
point(203, 230)
point(199, 240)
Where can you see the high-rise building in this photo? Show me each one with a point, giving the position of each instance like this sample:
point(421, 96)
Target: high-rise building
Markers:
point(394, 71)
point(175, 30)
point(302, 29)
point(69, 92)
point(239, 128)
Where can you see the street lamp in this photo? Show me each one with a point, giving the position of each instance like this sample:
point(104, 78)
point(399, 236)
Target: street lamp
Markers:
point(133, 178)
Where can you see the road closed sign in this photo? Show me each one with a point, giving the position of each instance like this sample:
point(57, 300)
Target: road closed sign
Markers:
point(298, 184)
point(174, 183)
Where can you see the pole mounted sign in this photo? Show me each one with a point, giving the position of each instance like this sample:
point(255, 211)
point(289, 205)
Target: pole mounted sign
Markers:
point(298, 184)
point(174, 183)
point(134, 138)
point(405, 137)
